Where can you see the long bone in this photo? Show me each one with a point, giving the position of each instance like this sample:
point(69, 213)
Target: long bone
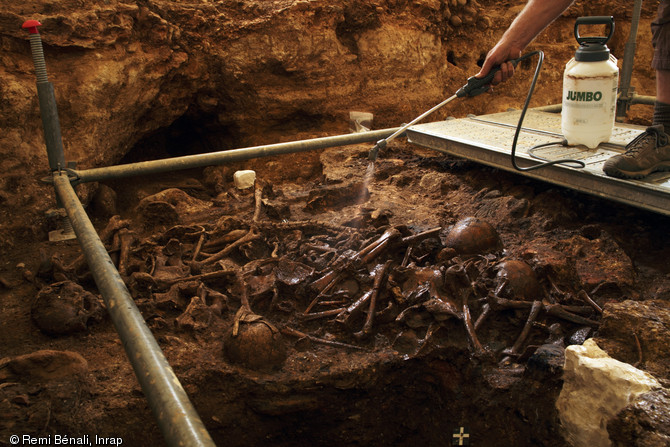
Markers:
point(515, 350)
point(126, 239)
point(296, 333)
point(568, 313)
point(251, 235)
point(346, 314)
point(456, 278)
point(380, 272)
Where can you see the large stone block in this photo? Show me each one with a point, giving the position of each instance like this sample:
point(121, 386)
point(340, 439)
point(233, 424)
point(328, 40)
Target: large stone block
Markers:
point(596, 387)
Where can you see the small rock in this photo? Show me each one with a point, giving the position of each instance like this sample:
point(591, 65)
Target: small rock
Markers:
point(21, 399)
point(579, 336)
point(432, 182)
point(518, 208)
point(5, 283)
point(470, 11)
point(546, 362)
point(28, 275)
point(484, 23)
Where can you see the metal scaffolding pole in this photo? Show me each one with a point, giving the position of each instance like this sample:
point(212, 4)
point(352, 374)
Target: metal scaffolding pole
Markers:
point(222, 157)
point(634, 99)
point(47, 100)
point(176, 416)
point(626, 92)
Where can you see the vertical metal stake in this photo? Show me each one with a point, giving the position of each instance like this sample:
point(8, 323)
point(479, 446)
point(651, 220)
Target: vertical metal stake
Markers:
point(50, 122)
point(47, 99)
point(625, 90)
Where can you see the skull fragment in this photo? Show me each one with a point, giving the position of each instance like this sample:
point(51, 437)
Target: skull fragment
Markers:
point(517, 280)
point(64, 308)
point(254, 342)
point(472, 236)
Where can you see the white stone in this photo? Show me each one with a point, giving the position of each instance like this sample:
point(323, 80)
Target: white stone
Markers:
point(360, 121)
point(595, 388)
point(244, 179)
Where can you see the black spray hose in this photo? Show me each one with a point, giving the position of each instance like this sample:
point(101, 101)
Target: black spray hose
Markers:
point(580, 164)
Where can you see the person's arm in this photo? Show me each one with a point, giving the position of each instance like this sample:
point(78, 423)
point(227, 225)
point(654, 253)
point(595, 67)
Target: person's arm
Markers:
point(535, 17)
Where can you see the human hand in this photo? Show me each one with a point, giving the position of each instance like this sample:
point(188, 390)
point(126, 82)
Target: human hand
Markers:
point(500, 55)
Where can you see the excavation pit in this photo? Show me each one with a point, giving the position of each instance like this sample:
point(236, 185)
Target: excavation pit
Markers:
point(313, 256)
point(324, 237)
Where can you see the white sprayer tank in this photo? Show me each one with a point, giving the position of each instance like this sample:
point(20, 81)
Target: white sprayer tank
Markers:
point(590, 85)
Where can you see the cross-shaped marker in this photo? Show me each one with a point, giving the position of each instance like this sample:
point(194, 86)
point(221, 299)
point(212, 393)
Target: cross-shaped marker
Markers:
point(461, 436)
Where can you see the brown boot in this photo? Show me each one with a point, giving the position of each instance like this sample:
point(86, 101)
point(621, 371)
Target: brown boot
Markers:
point(649, 152)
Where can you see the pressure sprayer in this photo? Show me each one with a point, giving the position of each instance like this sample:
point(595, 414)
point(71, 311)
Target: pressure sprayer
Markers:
point(476, 86)
point(590, 88)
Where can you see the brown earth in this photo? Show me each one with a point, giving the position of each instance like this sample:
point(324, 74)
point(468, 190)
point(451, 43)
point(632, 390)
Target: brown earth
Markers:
point(151, 79)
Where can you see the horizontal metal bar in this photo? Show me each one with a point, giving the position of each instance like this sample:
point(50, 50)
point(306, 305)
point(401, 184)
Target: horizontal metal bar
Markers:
point(229, 156)
point(642, 99)
point(551, 108)
point(634, 99)
point(176, 417)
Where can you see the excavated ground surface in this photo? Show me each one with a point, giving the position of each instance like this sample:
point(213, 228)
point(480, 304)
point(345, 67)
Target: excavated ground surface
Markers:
point(417, 378)
point(417, 373)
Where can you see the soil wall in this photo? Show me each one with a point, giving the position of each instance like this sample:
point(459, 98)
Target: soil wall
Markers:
point(250, 72)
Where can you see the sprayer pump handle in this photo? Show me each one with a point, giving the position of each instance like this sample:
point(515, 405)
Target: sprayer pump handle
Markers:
point(594, 20)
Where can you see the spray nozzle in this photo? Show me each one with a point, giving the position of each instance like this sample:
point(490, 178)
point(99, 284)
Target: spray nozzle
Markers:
point(372, 155)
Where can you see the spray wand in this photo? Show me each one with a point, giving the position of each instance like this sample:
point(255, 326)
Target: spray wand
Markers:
point(476, 86)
